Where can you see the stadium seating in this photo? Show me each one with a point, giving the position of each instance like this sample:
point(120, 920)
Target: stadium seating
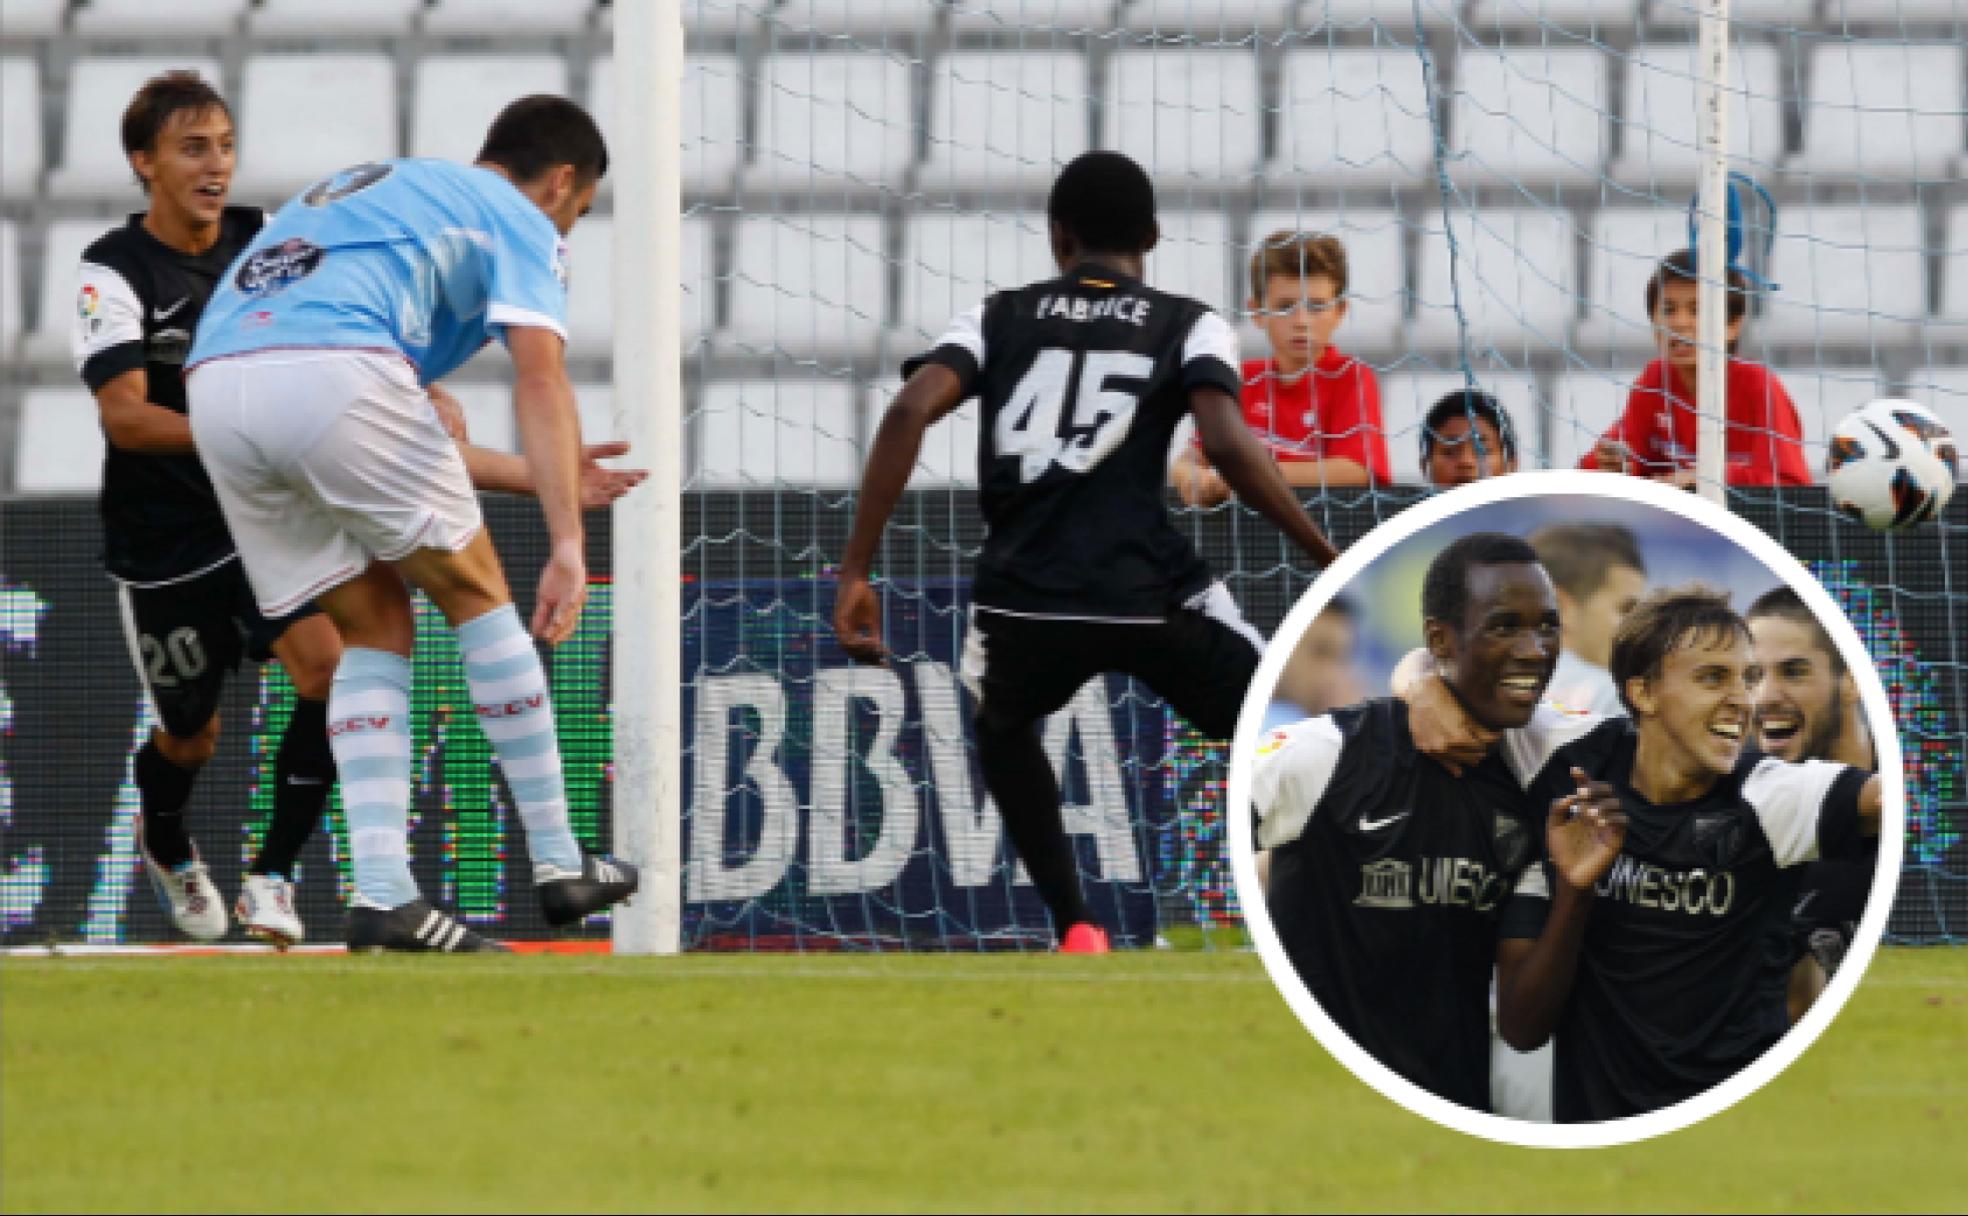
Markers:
point(1530, 115)
point(1825, 395)
point(1659, 131)
point(147, 18)
point(1883, 112)
point(1189, 116)
point(833, 123)
point(1004, 120)
point(34, 18)
point(20, 126)
point(1405, 401)
point(590, 286)
point(1891, 13)
point(488, 415)
point(1954, 272)
point(48, 343)
point(1945, 391)
point(1583, 406)
point(11, 301)
point(951, 262)
point(597, 406)
point(1751, 16)
point(59, 447)
point(1575, 16)
point(345, 102)
point(1193, 258)
point(770, 432)
point(1625, 246)
point(1353, 120)
point(871, 22)
point(93, 165)
point(1853, 275)
point(509, 17)
point(1028, 19)
point(312, 18)
point(1393, 19)
point(1377, 288)
point(1207, 21)
point(948, 456)
point(458, 96)
point(1513, 283)
point(811, 286)
point(713, 94)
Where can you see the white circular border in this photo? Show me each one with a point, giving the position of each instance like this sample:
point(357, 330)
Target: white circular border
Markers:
point(1499, 1128)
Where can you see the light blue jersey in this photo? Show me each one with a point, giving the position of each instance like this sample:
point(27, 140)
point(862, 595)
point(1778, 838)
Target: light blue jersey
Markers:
point(423, 257)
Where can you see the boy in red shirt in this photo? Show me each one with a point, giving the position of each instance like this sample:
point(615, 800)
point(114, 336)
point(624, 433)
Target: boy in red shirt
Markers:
point(1317, 410)
point(1655, 437)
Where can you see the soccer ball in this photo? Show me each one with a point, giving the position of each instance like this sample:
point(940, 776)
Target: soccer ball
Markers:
point(1891, 464)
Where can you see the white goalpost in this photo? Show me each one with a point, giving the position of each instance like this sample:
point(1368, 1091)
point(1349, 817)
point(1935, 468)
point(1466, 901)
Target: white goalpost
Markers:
point(648, 403)
point(1712, 256)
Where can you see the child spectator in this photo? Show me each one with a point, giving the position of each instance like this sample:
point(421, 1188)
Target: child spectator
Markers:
point(1317, 409)
point(1655, 436)
point(1466, 437)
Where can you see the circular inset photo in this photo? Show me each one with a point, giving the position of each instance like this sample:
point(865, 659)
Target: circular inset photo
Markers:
point(1573, 805)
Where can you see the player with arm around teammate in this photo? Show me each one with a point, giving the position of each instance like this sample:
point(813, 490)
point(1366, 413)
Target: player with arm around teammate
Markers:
point(371, 284)
point(1083, 379)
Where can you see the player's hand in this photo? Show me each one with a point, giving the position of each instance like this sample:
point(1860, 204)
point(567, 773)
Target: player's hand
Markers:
point(1680, 479)
point(1205, 487)
point(450, 413)
point(601, 485)
point(1610, 456)
point(563, 589)
point(857, 621)
point(1442, 730)
point(1585, 832)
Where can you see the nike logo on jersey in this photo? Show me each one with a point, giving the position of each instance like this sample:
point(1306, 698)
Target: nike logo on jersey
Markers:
point(306, 781)
point(1374, 825)
point(161, 315)
point(1803, 903)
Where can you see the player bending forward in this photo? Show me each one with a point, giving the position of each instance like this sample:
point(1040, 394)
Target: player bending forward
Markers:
point(308, 403)
point(1083, 379)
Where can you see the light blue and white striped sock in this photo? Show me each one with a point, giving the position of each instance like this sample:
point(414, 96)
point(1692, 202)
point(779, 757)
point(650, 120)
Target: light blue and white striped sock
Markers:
point(509, 690)
point(369, 731)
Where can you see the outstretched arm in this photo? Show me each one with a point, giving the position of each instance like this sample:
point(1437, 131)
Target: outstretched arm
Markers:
point(933, 392)
point(1243, 462)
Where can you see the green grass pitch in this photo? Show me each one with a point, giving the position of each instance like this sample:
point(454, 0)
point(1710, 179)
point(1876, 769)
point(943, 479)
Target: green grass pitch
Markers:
point(1138, 1081)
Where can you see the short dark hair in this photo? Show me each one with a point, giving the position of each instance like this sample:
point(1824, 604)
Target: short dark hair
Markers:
point(1580, 556)
point(1661, 623)
point(534, 134)
point(1445, 588)
point(162, 98)
point(1785, 604)
point(1106, 202)
point(1460, 404)
point(1683, 266)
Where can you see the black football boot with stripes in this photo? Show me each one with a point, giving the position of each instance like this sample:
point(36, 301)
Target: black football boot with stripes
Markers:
point(568, 896)
point(418, 927)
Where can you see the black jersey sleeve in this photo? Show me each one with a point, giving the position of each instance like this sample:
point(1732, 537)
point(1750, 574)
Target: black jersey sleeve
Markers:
point(961, 349)
point(107, 334)
point(1209, 356)
point(1529, 904)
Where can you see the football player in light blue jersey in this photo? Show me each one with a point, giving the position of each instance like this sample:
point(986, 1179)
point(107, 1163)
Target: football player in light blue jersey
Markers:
point(311, 384)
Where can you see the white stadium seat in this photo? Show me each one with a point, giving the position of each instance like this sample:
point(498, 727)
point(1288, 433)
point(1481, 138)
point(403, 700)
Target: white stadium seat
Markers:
point(1513, 277)
point(12, 303)
point(149, 19)
point(1207, 21)
point(833, 121)
point(774, 433)
point(591, 285)
point(1395, 18)
point(458, 96)
point(948, 456)
point(1530, 114)
point(1659, 116)
point(1193, 259)
point(93, 165)
point(1954, 268)
point(1354, 118)
point(66, 239)
point(506, 18)
point(1005, 119)
point(304, 116)
point(59, 449)
point(713, 103)
point(312, 18)
point(869, 22)
point(810, 285)
point(1187, 114)
point(1406, 399)
point(1377, 285)
point(20, 126)
point(1894, 13)
point(1625, 246)
point(712, 18)
point(1945, 391)
point(1883, 112)
point(34, 18)
point(951, 262)
point(1749, 16)
point(1584, 405)
point(488, 415)
point(1823, 396)
point(1847, 274)
point(1576, 16)
point(1031, 21)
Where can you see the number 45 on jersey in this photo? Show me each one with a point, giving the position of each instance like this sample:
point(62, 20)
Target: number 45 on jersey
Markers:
point(1063, 412)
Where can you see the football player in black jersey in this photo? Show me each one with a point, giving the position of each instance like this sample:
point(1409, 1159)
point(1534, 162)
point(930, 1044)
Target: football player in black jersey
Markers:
point(1388, 868)
point(1807, 708)
point(1668, 975)
point(1083, 379)
point(187, 611)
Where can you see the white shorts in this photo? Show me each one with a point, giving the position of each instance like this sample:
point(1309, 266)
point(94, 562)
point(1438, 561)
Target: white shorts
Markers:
point(325, 461)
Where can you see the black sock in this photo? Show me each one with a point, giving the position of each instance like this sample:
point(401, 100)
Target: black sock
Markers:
point(163, 788)
point(303, 773)
point(1021, 781)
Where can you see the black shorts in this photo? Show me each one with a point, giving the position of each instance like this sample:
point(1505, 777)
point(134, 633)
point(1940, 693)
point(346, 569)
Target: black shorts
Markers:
point(1200, 660)
point(184, 638)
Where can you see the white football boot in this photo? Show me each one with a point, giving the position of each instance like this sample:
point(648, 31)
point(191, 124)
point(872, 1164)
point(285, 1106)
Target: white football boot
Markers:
point(187, 893)
point(266, 910)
